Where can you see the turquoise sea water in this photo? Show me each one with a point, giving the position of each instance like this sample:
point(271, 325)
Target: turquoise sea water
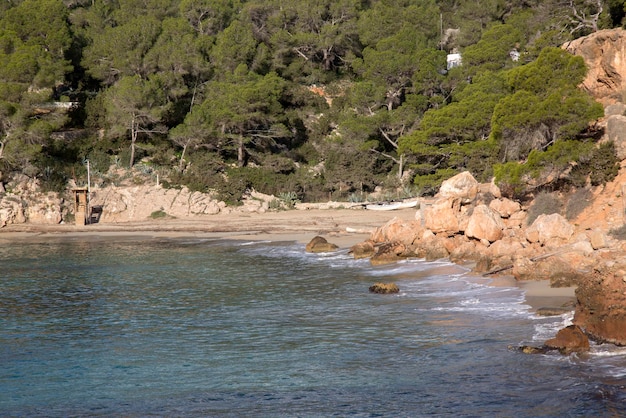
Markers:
point(188, 327)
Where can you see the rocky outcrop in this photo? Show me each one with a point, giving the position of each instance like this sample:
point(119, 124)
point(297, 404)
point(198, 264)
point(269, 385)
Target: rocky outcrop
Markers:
point(126, 204)
point(601, 304)
point(551, 228)
point(406, 232)
point(460, 226)
point(604, 53)
point(485, 224)
point(463, 186)
point(11, 211)
point(25, 203)
point(569, 340)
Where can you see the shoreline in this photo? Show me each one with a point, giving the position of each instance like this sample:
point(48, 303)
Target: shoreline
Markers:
point(296, 225)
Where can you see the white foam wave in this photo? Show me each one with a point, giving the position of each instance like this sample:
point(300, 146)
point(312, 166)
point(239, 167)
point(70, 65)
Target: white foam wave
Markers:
point(247, 243)
point(608, 350)
point(547, 327)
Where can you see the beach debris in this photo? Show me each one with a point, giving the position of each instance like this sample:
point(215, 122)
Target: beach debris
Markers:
point(320, 245)
point(384, 288)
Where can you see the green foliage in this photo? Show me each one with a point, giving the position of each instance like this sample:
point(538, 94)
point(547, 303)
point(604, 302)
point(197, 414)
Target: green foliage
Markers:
point(429, 183)
point(602, 164)
point(566, 163)
point(158, 214)
point(618, 233)
point(544, 204)
point(289, 199)
point(545, 105)
point(229, 95)
point(492, 52)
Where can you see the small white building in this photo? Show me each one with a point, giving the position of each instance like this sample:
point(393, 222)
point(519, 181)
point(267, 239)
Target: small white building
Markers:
point(454, 60)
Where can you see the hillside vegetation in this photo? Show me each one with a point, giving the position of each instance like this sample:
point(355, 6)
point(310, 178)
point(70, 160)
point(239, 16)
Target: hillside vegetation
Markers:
point(331, 98)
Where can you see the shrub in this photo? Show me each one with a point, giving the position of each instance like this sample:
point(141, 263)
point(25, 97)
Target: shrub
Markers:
point(544, 204)
point(289, 199)
point(52, 180)
point(577, 203)
point(618, 233)
point(158, 214)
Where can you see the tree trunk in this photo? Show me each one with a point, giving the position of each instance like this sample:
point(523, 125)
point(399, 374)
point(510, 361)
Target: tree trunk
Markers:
point(182, 156)
point(133, 139)
point(241, 151)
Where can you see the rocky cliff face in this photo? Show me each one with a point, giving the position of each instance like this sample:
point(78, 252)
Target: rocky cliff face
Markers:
point(605, 54)
point(22, 202)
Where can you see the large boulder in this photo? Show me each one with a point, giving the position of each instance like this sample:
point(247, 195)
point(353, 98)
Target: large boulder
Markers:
point(441, 216)
point(598, 239)
point(320, 245)
point(549, 227)
point(570, 339)
point(467, 251)
point(432, 247)
point(463, 186)
point(485, 224)
point(505, 207)
point(406, 232)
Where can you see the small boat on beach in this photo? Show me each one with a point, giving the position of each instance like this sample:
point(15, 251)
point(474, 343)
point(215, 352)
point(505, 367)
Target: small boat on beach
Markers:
point(392, 205)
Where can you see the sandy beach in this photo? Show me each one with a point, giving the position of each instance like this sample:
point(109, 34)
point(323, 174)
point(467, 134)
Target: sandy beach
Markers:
point(343, 227)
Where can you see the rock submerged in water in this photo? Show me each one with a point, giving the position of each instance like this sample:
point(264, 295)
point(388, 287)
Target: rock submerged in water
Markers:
point(384, 288)
point(570, 339)
point(320, 245)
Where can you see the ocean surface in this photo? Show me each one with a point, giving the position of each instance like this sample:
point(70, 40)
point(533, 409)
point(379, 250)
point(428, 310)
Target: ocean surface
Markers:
point(139, 327)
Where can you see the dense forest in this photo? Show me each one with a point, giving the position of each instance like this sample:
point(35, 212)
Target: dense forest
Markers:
point(312, 98)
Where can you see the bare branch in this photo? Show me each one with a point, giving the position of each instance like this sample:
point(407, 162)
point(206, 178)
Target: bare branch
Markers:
point(388, 138)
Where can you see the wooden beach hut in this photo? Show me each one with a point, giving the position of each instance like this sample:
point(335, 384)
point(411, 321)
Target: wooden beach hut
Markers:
point(81, 205)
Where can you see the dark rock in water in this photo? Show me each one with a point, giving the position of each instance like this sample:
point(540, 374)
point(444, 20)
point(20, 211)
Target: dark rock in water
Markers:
point(320, 245)
point(387, 253)
point(529, 349)
point(553, 311)
point(384, 288)
point(363, 250)
point(570, 339)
